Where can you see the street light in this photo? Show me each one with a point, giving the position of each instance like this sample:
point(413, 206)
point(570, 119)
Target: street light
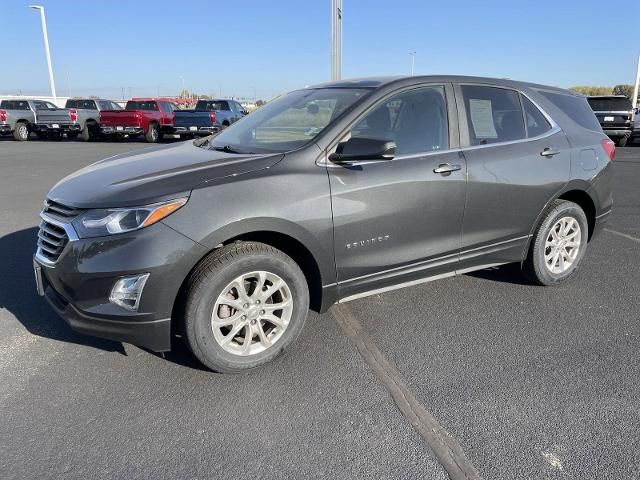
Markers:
point(46, 49)
point(413, 61)
point(635, 88)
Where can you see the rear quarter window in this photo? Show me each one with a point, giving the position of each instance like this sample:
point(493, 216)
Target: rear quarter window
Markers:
point(142, 105)
point(576, 108)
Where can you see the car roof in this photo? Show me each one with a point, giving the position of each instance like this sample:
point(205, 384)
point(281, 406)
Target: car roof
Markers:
point(381, 81)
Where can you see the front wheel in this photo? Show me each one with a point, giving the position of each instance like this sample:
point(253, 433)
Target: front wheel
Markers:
point(558, 244)
point(245, 304)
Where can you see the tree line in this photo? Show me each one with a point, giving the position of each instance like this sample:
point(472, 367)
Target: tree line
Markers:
point(626, 90)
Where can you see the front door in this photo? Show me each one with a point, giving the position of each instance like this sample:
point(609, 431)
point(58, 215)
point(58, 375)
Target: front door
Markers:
point(398, 221)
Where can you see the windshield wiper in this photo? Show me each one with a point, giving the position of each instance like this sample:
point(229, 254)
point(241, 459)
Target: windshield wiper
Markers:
point(226, 149)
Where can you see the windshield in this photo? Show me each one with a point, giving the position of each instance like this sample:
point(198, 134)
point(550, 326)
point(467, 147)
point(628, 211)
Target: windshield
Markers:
point(288, 122)
point(612, 104)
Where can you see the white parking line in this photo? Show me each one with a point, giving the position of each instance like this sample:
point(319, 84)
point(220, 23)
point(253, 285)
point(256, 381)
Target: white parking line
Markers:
point(630, 237)
point(444, 446)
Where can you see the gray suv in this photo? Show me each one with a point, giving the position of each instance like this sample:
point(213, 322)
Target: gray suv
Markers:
point(327, 194)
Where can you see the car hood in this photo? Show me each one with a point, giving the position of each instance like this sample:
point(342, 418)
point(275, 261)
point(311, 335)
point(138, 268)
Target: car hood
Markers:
point(152, 175)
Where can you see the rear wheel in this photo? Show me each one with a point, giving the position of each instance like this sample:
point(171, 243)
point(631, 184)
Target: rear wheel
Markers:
point(245, 304)
point(89, 132)
point(558, 244)
point(21, 132)
point(622, 142)
point(153, 133)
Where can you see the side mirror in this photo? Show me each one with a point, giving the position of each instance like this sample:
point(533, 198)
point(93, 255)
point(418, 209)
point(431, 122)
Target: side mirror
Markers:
point(363, 149)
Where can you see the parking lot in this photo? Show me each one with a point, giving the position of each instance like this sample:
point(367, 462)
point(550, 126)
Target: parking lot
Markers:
point(529, 382)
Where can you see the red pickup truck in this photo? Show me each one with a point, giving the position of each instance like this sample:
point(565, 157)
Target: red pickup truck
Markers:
point(142, 116)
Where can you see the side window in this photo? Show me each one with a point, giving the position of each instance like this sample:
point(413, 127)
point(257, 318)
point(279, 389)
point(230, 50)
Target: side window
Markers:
point(71, 104)
point(493, 114)
point(114, 106)
point(224, 106)
point(537, 124)
point(416, 120)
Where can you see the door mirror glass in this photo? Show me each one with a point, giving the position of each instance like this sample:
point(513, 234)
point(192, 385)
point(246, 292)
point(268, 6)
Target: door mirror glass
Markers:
point(362, 149)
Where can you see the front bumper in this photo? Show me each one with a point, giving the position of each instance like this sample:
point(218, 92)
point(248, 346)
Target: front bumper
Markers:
point(78, 284)
point(122, 129)
point(58, 127)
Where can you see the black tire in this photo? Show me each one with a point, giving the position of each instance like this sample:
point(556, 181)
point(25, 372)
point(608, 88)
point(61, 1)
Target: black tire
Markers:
point(535, 265)
point(21, 132)
point(153, 134)
point(622, 142)
point(225, 124)
point(89, 132)
point(212, 277)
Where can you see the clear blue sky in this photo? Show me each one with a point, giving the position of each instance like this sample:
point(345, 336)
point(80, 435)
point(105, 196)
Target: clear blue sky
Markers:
point(101, 47)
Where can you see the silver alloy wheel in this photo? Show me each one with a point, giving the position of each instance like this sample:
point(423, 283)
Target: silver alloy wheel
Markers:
point(252, 313)
point(23, 131)
point(154, 133)
point(562, 245)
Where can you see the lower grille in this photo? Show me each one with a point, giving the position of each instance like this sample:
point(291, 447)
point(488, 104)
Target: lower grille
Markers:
point(51, 240)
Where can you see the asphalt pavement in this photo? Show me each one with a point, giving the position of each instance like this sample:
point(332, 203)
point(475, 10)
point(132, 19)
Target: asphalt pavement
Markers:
point(528, 382)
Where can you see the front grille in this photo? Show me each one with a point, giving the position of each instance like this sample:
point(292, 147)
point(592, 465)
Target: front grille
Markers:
point(52, 236)
point(59, 211)
point(51, 240)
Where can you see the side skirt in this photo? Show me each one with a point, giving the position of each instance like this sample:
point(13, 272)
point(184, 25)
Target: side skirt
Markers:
point(419, 281)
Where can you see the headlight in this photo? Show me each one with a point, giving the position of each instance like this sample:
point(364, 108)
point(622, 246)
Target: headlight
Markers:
point(103, 222)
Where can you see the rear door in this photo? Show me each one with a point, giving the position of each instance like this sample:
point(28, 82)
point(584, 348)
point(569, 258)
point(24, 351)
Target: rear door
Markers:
point(399, 221)
point(517, 159)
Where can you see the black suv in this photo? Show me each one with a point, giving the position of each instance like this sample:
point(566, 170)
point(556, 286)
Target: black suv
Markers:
point(325, 195)
point(615, 114)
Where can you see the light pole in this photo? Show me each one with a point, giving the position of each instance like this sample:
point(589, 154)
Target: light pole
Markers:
point(46, 49)
point(635, 89)
point(336, 39)
point(182, 93)
point(413, 61)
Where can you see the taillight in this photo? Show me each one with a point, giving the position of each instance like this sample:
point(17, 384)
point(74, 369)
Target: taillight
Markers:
point(3, 116)
point(609, 147)
point(73, 114)
point(212, 116)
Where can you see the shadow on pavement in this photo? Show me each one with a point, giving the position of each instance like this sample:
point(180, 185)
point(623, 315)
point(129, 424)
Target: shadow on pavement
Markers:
point(18, 295)
point(510, 273)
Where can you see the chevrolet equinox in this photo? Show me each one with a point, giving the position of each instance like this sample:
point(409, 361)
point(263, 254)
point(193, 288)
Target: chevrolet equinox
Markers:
point(326, 194)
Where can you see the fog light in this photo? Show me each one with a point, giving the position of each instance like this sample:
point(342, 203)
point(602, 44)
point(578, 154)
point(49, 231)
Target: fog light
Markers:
point(126, 292)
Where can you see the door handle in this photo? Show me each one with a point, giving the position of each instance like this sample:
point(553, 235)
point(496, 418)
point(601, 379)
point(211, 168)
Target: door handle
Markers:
point(446, 168)
point(549, 152)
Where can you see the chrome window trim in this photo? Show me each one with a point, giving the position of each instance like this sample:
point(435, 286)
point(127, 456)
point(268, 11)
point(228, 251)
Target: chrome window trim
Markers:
point(323, 160)
point(555, 128)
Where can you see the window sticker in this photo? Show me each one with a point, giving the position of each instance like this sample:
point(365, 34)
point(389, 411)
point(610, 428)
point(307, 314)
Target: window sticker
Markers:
point(482, 118)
